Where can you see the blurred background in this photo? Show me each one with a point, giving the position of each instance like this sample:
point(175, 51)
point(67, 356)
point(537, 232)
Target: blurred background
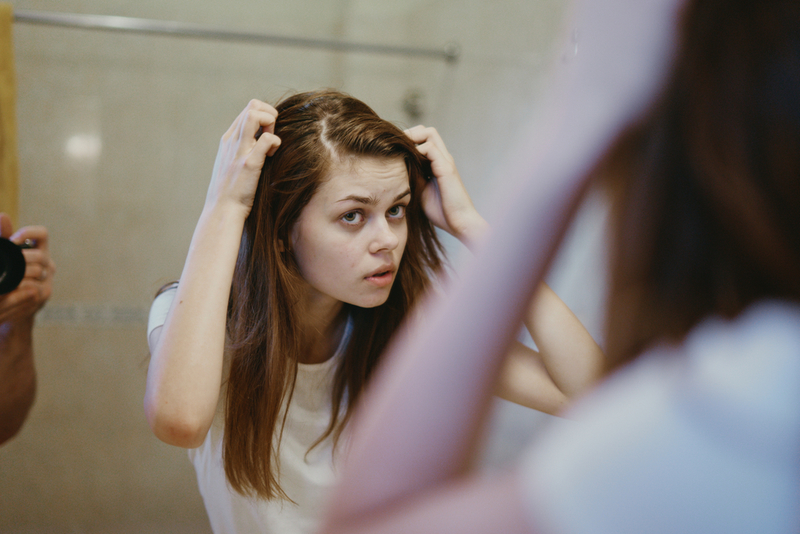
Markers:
point(117, 138)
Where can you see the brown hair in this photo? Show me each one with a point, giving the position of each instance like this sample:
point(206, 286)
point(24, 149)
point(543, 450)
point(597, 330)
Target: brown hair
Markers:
point(263, 338)
point(706, 187)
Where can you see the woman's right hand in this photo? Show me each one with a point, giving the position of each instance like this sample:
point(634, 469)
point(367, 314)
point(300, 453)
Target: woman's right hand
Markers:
point(241, 156)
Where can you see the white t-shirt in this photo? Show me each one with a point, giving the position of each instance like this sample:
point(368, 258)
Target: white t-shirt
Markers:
point(700, 438)
point(304, 476)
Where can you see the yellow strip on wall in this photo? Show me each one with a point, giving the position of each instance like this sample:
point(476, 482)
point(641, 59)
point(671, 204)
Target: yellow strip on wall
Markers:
point(9, 157)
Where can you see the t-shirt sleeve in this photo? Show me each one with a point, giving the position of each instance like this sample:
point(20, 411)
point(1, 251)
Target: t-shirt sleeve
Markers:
point(159, 309)
point(583, 475)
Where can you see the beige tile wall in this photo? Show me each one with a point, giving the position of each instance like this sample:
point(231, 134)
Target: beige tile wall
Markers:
point(117, 136)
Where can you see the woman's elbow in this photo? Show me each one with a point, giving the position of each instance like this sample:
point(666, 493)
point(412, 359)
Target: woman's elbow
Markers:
point(175, 427)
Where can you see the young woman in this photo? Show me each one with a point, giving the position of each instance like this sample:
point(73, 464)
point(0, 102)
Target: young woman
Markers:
point(314, 244)
point(699, 428)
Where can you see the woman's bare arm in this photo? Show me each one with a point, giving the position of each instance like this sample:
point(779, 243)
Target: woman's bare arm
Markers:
point(566, 365)
point(185, 371)
point(569, 360)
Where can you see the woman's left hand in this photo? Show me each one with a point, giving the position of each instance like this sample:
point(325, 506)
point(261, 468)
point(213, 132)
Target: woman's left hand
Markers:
point(445, 199)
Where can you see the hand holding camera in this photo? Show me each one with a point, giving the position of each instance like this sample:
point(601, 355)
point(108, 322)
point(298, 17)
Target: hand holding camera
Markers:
point(26, 270)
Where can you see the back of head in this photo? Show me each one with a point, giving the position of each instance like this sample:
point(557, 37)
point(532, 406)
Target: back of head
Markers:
point(706, 188)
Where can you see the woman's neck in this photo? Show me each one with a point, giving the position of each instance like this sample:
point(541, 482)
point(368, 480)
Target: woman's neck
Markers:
point(322, 325)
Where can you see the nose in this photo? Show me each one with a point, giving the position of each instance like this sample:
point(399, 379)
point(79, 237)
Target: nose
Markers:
point(384, 238)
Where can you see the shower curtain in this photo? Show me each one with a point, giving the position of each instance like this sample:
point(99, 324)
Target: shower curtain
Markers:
point(9, 162)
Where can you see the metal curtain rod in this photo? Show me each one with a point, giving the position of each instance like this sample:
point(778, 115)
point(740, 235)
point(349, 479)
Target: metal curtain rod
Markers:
point(182, 29)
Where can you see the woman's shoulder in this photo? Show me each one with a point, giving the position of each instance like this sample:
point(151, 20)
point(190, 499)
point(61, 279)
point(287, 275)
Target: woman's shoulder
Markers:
point(766, 320)
point(726, 401)
point(748, 365)
point(761, 343)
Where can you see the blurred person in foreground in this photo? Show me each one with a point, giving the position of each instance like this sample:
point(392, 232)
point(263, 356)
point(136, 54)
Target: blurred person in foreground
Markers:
point(696, 428)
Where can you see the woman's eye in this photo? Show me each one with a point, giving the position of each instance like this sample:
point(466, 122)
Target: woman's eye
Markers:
point(396, 211)
point(352, 217)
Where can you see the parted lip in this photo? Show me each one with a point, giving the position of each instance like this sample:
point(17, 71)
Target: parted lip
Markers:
point(381, 270)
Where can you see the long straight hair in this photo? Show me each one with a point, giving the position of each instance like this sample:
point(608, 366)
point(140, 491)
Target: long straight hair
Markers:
point(706, 188)
point(263, 344)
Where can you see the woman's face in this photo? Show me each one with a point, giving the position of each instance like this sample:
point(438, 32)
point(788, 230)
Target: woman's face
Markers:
point(350, 237)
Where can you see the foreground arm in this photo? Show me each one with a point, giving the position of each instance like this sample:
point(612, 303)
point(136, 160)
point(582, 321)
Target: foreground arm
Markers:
point(568, 360)
point(17, 311)
point(418, 423)
point(185, 372)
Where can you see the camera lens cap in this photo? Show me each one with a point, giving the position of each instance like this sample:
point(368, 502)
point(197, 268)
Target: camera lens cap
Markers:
point(12, 266)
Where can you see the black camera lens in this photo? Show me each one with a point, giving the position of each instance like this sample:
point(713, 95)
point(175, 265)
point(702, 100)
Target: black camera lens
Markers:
point(12, 266)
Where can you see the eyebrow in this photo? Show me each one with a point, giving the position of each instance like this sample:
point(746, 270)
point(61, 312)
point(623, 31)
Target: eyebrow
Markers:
point(372, 201)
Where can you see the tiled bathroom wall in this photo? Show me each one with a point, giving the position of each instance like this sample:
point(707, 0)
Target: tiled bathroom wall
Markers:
point(117, 138)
